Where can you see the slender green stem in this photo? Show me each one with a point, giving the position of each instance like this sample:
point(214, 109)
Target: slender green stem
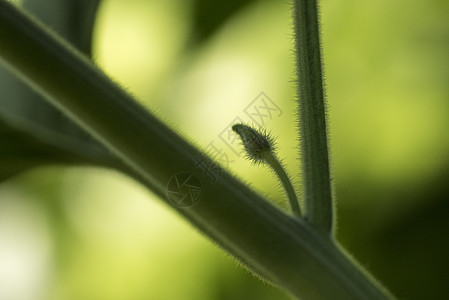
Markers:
point(279, 170)
point(312, 123)
point(280, 248)
point(260, 149)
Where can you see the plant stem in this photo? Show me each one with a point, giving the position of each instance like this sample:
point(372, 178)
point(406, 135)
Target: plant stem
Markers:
point(312, 122)
point(282, 249)
point(279, 170)
point(260, 149)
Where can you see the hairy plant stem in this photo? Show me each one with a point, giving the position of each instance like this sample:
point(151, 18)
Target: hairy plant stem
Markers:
point(282, 249)
point(260, 149)
point(312, 118)
point(279, 170)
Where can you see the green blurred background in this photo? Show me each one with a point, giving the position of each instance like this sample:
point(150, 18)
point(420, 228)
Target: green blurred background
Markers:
point(90, 233)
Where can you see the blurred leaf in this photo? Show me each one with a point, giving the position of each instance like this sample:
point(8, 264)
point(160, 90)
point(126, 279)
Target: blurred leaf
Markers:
point(20, 150)
point(32, 132)
point(418, 243)
point(210, 15)
point(72, 19)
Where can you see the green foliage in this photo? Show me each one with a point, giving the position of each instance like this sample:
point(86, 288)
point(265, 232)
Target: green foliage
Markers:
point(35, 133)
point(74, 85)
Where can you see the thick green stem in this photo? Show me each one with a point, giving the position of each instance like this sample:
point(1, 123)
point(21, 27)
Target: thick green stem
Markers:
point(280, 248)
point(312, 114)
